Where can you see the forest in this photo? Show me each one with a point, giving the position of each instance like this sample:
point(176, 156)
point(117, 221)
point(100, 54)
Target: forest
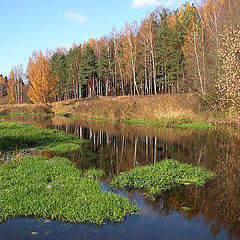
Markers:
point(195, 48)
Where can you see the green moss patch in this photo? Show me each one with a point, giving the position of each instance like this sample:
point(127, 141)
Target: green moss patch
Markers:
point(52, 188)
point(162, 176)
point(19, 136)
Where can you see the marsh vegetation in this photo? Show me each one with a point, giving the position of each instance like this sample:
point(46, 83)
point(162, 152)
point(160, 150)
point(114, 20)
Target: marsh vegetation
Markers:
point(53, 188)
point(162, 176)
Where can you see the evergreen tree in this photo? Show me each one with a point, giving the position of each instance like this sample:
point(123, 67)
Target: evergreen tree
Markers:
point(73, 60)
point(88, 70)
point(163, 45)
point(59, 69)
point(103, 68)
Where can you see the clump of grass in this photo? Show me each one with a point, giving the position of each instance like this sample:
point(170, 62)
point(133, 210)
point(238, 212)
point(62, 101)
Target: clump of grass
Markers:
point(14, 136)
point(196, 125)
point(53, 188)
point(162, 176)
point(94, 173)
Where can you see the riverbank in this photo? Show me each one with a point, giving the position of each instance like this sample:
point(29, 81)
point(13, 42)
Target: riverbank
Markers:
point(131, 107)
point(165, 109)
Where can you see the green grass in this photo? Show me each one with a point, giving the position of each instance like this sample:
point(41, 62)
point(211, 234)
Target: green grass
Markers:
point(195, 125)
point(128, 121)
point(162, 176)
point(32, 114)
point(94, 118)
point(182, 122)
point(52, 188)
point(85, 117)
point(15, 136)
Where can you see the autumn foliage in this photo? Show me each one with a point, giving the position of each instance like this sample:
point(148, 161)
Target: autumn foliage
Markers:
point(11, 88)
point(229, 79)
point(42, 81)
point(191, 49)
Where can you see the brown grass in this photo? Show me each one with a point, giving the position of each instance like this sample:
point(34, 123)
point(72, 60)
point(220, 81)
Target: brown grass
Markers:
point(25, 109)
point(133, 107)
point(117, 108)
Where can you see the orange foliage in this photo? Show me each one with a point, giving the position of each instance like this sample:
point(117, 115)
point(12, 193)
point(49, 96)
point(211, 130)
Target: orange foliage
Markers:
point(42, 82)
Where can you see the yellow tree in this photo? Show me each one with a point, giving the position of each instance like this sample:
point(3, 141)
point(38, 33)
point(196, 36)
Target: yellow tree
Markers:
point(228, 82)
point(2, 85)
point(42, 81)
point(11, 88)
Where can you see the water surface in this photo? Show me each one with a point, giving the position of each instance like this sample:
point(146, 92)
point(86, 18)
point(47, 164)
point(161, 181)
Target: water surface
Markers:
point(209, 212)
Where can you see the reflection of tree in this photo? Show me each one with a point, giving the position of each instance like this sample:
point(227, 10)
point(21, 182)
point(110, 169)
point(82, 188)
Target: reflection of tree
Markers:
point(217, 202)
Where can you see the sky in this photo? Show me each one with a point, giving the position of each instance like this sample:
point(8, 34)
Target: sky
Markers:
point(33, 25)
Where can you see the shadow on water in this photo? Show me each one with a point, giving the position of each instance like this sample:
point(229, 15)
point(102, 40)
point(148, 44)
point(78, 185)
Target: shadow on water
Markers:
point(209, 212)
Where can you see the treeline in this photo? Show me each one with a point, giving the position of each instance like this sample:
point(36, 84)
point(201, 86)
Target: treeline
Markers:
point(186, 50)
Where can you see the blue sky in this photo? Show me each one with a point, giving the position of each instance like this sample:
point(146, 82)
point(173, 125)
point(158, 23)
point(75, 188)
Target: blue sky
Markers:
point(29, 25)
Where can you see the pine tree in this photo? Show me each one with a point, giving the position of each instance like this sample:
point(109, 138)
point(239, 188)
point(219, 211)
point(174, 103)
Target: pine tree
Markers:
point(103, 68)
point(73, 60)
point(88, 70)
point(59, 69)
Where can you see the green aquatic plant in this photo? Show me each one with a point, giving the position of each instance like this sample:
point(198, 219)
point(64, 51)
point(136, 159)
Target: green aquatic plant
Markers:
point(162, 176)
point(94, 173)
point(53, 188)
point(15, 136)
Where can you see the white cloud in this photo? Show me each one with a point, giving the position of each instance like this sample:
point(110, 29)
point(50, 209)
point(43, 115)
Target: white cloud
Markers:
point(13, 54)
point(149, 3)
point(76, 17)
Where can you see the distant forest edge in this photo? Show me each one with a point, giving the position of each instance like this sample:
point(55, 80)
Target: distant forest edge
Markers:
point(192, 49)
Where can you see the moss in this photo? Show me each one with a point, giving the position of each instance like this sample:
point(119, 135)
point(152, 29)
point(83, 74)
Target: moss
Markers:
point(52, 188)
point(162, 176)
point(15, 136)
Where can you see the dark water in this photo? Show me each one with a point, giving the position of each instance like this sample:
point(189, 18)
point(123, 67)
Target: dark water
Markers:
point(209, 212)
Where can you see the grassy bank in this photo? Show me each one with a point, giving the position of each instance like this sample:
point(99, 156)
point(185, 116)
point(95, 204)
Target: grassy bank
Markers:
point(167, 110)
point(25, 109)
point(53, 188)
point(153, 109)
point(15, 136)
point(133, 107)
point(162, 176)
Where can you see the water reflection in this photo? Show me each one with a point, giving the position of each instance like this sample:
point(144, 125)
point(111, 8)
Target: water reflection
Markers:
point(116, 147)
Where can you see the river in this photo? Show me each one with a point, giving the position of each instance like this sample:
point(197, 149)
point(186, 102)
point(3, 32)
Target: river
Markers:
point(209, 212)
